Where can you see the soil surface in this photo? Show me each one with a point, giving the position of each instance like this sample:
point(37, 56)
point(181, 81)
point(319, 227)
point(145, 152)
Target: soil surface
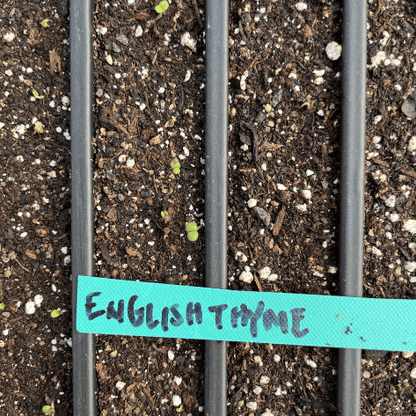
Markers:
point(284, 149)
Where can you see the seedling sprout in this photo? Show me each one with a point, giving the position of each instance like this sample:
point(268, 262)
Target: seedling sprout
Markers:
point(56, 312)
point(39, 127)
point(44, 23)
point(48, 410)
point(192, 230)
point(175, 165)
point(162, 7)
point(164, 214)
point(1, 306)
point(268, 108)
point(35, 93)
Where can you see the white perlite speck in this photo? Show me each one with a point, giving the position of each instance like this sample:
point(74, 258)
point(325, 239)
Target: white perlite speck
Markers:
point(378, 58)
point(186, 40)
point(412, 145)
point(187, 76)
point(264, 380)
point(309, 362)
point(410, 225)
point(252, 202)
point(376, 251)
point(272, 278)
point(176, 400)
point(413, 373)
point(30, 308)
point(394, 217)
point(246, 276)
point(307, 194)
point(257, 390)
point(120, 385)
point(281, 187)
point(333, 51)
point(139, 31)
point(267, 413)
point(171, 355)
point(21, 129)
point(407, 354)
point(301, 6)
point(301, 207)
point(9, 36)
point(38, 300)
point(177, 380)
point(410, 266)
point(109, 59)
point(319, 72)
point(276, 358)
point(130, 163)
point(253, 405)
point(390, 201)
point(264, 273)
point(309, 172)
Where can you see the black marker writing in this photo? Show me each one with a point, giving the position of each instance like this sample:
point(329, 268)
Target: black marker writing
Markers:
point(219, 309)
point(246, 315)
point(177, 320)
point(270, 319)
point(193, 310)
point(149, 317)
point(296, 318)
point(131, 313)
point(116, 314)
point(90, 304)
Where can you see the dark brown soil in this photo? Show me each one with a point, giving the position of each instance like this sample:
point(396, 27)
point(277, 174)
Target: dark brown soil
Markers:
point(150, 110)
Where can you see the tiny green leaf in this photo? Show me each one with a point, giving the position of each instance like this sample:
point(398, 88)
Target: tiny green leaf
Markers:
point(39, 127)
point(175, 165)
point(191, 227)
point(48, 410)
point(35, 93)
point(55, 313)
point(1, 306)
point(164, 214)
point(193, 235)
point(162, 6)
point(268, 108)
point(180, 408)
point(44, 23)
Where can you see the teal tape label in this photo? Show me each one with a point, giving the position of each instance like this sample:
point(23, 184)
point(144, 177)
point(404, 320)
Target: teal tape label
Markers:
point(119, 307)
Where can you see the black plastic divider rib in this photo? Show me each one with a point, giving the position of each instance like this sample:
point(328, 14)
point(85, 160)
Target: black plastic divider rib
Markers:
point(216, 188)
point(354, 61)
point(82, 206)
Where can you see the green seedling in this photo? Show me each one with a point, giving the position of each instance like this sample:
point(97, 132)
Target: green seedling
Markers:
point(192, 230)
point(180, 408)
point(268, 108)
point(56, 312)
point(162, 7)
point(164, 214)
point(39, 127)
point(35, 93)
point(1, 306)
point(44, 23)
point(175, 165)
point(277, 71)
point(48, 410)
